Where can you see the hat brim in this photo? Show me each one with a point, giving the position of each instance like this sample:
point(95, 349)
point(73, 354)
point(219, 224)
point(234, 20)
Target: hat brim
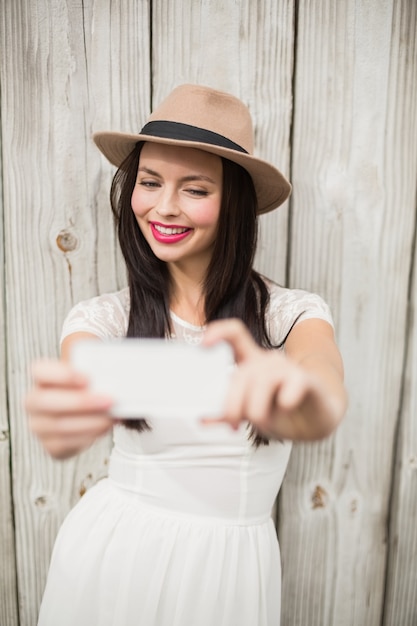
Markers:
point(271, 186)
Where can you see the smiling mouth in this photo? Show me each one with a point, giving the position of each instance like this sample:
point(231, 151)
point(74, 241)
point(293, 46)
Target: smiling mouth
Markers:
point(170, 234)
point(166, 230)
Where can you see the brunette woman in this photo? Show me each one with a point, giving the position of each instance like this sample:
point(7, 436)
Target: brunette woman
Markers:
point(180, 532)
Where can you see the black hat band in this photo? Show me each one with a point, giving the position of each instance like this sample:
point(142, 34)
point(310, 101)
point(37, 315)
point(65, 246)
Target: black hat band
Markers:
point(186, 132)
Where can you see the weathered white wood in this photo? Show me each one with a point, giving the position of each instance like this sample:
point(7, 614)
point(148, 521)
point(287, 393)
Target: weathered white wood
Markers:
point(67, 69)
point(353, 220)
point(401, 583)
point(245, 48)
point(8, 590)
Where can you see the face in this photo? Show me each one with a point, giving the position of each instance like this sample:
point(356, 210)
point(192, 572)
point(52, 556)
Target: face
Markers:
point(176, 201)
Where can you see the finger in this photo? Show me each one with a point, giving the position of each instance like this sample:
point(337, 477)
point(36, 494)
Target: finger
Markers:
point(66, 447)
point(56, 373)
point(82, 426)
point(292, 391)
point(212, 421)
point(56, 402)
point(236, 334)
point(261, 394)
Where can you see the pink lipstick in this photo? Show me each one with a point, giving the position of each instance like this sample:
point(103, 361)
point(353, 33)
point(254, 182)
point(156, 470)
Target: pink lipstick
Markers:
point(169, 234)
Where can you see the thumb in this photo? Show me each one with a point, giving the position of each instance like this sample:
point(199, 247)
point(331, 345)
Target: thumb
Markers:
point(237, 336)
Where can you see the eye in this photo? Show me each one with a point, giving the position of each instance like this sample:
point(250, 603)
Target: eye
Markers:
point(149, 184)
point(197, 192)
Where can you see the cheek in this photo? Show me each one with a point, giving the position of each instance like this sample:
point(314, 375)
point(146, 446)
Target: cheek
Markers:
point(207, 215)
point(138, 206)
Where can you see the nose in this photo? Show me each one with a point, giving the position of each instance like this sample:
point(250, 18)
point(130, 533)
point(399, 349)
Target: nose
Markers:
point(168, 203)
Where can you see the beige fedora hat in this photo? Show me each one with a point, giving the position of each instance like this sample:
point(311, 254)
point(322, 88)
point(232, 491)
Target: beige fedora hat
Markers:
point(200, 117)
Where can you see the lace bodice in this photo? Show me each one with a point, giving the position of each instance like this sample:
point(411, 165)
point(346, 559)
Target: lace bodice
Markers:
point(107, 315)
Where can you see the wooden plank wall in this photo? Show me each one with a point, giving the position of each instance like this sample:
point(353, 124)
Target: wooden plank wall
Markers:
point(8, 588)
point(332, 87)
point(76, 63)
point(353, 223)
point(401, 583)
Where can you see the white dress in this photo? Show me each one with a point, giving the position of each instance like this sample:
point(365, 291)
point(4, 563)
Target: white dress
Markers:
point(180, 533)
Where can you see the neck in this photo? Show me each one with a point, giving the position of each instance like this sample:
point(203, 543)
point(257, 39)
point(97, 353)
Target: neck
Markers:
point(187, 298)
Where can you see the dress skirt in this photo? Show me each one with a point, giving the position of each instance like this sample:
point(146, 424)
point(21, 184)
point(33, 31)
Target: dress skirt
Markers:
point(125, 556)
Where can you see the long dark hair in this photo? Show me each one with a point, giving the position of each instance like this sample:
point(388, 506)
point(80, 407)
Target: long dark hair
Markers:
point(232, 288)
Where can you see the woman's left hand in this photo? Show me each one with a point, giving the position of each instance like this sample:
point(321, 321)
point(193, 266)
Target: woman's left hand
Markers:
point(298, 395)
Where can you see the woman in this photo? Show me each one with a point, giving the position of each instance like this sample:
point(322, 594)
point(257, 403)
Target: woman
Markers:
point(180, 532)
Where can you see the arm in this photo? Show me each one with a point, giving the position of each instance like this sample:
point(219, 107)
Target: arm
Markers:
point(297, 395)
point(63, 414)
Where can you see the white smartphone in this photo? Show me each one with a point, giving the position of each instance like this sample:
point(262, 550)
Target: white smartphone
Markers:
point(154, 378)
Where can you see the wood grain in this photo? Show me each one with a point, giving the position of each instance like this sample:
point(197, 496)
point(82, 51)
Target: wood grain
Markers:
point(401, 574)
point(333, 99)
point(352, 238)
point(81, 67)
point(8, 588)
point(400, 605)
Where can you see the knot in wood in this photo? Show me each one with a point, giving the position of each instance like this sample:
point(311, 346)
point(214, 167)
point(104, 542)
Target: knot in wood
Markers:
point(319, 497)
point(4, 435)
point(41, 501)
point(85, 484)
point(66, 241)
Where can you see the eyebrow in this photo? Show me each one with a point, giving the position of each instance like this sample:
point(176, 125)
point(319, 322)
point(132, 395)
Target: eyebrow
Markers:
point(184, 179)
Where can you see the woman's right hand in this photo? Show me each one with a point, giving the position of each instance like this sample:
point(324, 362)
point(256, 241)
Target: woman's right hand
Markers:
point(63, 413)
